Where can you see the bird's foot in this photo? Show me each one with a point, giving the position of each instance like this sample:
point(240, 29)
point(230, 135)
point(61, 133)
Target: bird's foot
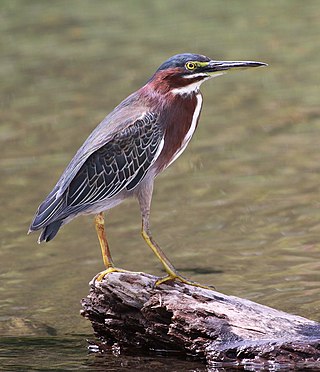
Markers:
point(109, 270)
point(182, 279)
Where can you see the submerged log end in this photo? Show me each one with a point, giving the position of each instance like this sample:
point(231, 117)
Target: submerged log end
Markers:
point(126, 309)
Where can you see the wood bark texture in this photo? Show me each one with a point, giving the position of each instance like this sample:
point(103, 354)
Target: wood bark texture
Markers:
point(127, 310)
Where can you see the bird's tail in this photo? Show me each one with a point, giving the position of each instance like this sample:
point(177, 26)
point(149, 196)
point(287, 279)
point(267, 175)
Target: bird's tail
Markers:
point(50, 231)
point(48, 217)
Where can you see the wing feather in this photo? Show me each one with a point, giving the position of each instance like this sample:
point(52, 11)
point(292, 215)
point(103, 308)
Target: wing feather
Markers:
point(120, 164)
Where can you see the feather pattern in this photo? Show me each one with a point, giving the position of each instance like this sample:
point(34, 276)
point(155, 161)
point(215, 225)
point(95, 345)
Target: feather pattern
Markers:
point(120, 164)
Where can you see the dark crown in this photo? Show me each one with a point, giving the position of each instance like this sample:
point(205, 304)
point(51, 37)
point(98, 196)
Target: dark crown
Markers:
point(179, 60)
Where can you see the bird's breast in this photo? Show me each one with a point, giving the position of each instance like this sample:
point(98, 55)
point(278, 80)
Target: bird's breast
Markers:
point(180, 120)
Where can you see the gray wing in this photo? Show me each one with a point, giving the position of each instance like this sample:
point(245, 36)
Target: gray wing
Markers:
point(120, 164)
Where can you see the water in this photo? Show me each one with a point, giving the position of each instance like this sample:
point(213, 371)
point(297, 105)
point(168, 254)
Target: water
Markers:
point(240, 208)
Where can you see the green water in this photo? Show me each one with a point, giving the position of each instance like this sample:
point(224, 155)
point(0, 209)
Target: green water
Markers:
point(239, 210)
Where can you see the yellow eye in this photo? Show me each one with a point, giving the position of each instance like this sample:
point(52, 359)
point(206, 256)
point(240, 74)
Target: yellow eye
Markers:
point(190, 66)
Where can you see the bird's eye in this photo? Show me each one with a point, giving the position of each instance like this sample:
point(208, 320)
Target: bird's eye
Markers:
point(190, 66)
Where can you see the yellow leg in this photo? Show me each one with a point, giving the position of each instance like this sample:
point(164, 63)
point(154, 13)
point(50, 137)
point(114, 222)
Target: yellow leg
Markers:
point(173, 274)
point(106, 255)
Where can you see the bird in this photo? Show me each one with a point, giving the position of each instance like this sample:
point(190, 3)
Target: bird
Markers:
point(132, 145)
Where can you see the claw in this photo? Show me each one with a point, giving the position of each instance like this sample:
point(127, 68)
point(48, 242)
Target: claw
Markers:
point(183, 280)
point(112, 269)
point(170, 269)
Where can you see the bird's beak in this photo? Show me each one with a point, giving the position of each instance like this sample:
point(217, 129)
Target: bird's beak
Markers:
point(215, 68)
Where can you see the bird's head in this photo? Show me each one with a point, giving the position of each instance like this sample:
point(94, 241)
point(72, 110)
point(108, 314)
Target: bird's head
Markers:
point(184, 73)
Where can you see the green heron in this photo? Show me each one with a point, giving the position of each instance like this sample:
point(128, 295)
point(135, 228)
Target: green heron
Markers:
point(139, 139)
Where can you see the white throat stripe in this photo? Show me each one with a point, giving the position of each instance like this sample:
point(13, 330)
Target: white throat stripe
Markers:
point(194, 87)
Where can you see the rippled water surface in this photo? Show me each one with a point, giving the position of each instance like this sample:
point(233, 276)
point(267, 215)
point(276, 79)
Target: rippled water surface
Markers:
point(239, 210)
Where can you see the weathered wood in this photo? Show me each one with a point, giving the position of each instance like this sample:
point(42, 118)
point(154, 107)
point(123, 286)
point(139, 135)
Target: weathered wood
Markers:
point(126, 309)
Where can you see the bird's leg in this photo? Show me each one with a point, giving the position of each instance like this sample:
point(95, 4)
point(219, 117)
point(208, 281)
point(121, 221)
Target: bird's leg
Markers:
point(144, 196)
point(105, 250)
point(172, 272)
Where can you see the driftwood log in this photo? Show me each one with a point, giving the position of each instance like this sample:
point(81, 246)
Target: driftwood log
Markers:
point(127, 310)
